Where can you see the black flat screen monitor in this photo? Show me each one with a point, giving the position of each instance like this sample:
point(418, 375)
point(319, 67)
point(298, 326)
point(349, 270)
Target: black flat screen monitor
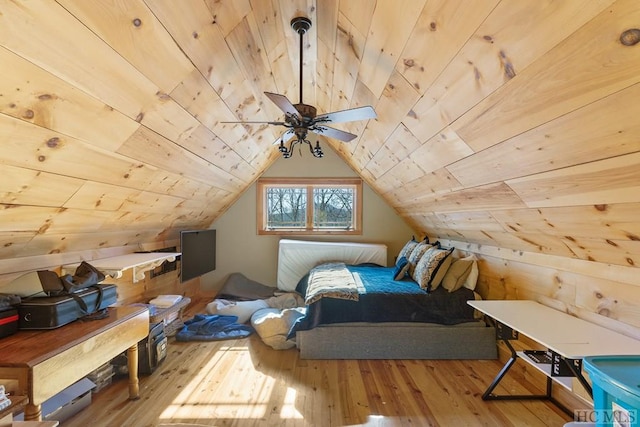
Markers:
point(198, 248)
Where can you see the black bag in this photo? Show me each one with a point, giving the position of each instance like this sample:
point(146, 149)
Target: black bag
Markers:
point(55, 311)
point(86, 275)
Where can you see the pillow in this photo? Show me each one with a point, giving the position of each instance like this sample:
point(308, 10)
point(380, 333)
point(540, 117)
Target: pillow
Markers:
point(471, 281)
point(442, 271)
point(416, 254)
point(402, 268)
point(273, 325)
point(432, 267)
point(406, 250)
point(458, 273)
point(242, 309)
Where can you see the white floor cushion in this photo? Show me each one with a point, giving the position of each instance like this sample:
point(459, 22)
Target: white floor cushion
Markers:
point(273, 325)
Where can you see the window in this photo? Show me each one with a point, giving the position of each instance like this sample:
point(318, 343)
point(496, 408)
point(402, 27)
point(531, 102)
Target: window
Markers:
point(309, 206)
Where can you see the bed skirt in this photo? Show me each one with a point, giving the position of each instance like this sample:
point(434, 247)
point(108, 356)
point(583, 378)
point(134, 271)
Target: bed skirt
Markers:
point(472, 340)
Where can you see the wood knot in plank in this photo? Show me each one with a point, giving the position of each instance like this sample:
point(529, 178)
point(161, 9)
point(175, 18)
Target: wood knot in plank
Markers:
point(53, 142)
point(507, 66)
point(433, 26)
point(163, 96)
point(630, 37)
point(633, 237)
point(137, 22)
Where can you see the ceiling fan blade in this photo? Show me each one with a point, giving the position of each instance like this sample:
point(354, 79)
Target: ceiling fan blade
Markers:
point(283, 103)
point(353, 114)
point(285, 137)
point(333, 133)
point(259, 123)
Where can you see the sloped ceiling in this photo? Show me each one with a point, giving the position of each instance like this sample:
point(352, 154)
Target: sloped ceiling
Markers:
point(508, 123)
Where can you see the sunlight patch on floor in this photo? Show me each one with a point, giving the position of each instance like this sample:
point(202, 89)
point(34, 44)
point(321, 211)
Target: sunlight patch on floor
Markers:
point(255, 395)
point(289, 410)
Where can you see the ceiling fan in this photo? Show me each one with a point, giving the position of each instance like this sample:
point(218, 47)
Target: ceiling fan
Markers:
point(301, 118)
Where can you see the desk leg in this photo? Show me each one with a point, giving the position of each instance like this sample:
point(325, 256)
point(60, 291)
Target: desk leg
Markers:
point(32, 412)
point(132, 365)
point(489, 395)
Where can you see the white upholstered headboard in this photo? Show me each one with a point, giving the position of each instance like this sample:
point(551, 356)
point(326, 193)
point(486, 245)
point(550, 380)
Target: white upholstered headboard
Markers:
point(297, 257)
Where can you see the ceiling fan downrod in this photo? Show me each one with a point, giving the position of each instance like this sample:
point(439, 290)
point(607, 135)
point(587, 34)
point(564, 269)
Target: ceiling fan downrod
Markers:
point(301, 25)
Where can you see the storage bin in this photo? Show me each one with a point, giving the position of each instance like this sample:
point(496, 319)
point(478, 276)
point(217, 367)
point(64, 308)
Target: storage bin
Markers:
point(616, 388)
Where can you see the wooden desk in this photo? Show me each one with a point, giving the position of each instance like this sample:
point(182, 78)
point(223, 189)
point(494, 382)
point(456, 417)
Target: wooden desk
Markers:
point(42, 363)
point(569, 337)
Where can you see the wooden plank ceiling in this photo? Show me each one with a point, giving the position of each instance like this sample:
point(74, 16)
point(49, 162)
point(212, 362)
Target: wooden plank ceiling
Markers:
point(507, 123)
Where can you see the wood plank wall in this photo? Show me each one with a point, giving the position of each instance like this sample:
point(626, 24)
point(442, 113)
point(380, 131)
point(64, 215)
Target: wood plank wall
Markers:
point(507, 129)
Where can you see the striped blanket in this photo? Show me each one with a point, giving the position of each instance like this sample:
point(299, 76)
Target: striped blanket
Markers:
point(332, 280)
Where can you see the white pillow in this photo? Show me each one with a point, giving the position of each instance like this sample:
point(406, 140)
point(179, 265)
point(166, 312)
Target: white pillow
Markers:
point(472, 279)
point(458, 273)
point(273, 325)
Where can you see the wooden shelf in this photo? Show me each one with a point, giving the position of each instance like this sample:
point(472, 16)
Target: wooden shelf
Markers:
point(139, 262)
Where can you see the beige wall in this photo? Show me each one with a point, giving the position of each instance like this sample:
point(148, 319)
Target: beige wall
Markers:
point(241, 249)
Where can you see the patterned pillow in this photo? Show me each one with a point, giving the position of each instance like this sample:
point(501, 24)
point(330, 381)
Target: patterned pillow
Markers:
point(432, 267)
point(416, 254)
point(406, 250)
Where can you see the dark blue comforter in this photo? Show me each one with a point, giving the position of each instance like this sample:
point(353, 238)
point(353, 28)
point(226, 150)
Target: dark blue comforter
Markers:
point(387, 300)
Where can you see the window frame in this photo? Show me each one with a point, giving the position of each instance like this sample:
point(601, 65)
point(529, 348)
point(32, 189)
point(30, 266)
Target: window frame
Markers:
point(261, 210)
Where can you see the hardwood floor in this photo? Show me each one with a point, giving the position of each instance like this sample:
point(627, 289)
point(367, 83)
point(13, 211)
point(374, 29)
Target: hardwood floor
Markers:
point(246, 383)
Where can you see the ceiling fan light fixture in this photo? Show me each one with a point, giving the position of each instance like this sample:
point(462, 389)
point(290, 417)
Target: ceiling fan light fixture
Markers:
point(317, 151)
point(287, 151)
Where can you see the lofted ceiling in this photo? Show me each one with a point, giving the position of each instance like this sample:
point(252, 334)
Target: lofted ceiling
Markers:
point(500, 122)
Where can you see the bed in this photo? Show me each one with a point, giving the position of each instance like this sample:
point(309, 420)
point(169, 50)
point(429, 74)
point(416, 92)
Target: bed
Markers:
point(377, 317)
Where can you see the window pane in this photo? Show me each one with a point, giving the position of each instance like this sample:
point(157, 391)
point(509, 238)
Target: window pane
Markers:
point(333, 207)
point(307, 206)
point(286, 207)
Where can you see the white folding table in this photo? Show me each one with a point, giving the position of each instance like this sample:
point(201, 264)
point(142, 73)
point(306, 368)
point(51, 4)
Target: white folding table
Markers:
point(570, 338)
